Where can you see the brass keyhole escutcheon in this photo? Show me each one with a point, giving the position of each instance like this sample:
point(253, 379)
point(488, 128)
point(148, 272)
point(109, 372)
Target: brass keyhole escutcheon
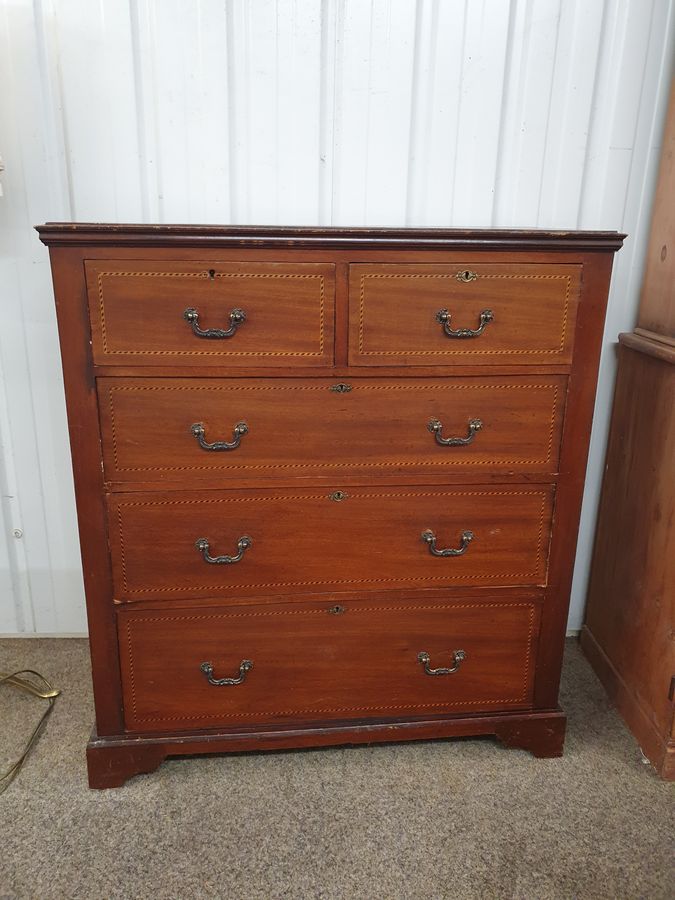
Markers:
point(466, 275)
point(338, 496)
point(336, 610)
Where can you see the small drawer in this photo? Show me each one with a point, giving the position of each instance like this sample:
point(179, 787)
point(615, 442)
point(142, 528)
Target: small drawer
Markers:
point(184, 430)
point(244, 665)
point(476, 313)
point(235, 314)
point(181, 544)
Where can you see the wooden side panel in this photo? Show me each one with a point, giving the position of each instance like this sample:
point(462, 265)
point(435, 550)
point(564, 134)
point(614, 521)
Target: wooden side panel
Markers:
point(394, 310)
point(630, 614)
point(138, 312)
point(573, 457)
point(306, 427)
point(85, 447)
point(302, 541)
point(309, 663)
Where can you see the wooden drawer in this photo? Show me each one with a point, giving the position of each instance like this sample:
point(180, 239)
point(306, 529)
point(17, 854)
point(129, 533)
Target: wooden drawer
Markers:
point(530, 313)
point(310, 663)
point(304, 541)
point(138, 312)
point(304, 427)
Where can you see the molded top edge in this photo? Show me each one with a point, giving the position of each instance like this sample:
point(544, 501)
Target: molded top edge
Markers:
point(78, 233)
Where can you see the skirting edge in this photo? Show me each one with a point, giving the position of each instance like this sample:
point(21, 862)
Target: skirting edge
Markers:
point(111, 761)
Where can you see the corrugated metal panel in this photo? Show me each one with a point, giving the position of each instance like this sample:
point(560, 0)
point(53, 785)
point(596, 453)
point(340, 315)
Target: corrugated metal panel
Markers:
point(436, 112)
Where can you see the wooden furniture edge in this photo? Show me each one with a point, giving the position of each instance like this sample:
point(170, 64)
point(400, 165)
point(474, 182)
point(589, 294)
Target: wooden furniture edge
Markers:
point(660, 752)
point(87, 462)
point(642, 344)
point(70, 233)
point(655, 336)
point(113, 761)
point(582, 386)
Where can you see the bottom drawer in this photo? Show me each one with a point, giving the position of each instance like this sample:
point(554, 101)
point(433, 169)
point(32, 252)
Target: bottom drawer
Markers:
point(318, 661)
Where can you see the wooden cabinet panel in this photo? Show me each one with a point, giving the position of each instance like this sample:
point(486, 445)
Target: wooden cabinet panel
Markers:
point(630, 614)
point(305, 540)
point(527, 313)
point(310, 427)
point(296, 650)
point(138, 312)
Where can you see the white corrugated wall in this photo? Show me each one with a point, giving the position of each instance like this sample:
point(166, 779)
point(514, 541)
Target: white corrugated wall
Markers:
point(381, 112)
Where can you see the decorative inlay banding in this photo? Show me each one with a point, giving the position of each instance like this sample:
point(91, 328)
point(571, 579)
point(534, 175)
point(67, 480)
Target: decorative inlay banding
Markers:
point(459, 350)
point(321, 611)
point(222, 464)
point(205, 275)
point(536, 573)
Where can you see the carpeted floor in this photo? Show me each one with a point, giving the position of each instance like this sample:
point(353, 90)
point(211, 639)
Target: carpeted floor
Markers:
point(451, 819)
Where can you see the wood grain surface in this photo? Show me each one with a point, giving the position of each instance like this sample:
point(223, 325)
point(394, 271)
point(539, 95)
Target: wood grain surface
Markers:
point(137, 312)
point(313, 663)
point(393, 309)
point(630, 614)
point(303, 427)
point(306, 541)
point(334, 489)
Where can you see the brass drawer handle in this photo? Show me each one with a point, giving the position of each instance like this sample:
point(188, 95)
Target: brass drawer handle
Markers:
point(243, 545)
point(199, 431)
point(244, 666)
point(237, 318)
point(424, 658)
point(443, 317)
point(436, 427)
point(430, 538)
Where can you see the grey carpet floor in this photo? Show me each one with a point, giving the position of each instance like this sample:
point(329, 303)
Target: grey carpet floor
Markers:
point(456, 819)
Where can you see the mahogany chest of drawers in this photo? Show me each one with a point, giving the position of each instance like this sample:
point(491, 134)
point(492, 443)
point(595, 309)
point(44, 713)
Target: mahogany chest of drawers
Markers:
point(328, 480)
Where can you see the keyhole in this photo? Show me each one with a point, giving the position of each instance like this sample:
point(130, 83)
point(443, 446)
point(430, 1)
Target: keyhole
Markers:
point(212, 274)
point(466, 275)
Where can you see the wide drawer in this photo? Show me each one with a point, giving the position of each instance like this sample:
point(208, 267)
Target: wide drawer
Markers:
point(173, 430)
point(151, 312)
point(281, 542)
point(317, 661)
point(490, 314)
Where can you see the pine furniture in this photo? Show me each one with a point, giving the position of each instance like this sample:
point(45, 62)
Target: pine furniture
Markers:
point(630, 614)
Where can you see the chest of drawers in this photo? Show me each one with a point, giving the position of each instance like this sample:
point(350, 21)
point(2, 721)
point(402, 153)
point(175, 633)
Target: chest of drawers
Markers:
point(328, 480)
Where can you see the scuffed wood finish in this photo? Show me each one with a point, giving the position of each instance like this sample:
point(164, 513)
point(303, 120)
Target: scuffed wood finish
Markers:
point(630, 614)
point(305, 541)
point(324, 662)
point(85, 447)
point(327, 427)
point(112, 761)
point(272, 237)
point(517, 485)
point(393, 312)
point(628, 632)
point(137, 312)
